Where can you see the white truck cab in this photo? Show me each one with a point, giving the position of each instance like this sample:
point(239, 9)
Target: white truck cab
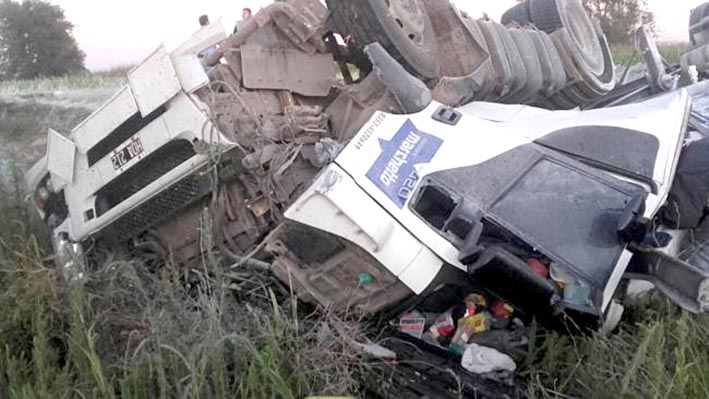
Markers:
point(367, 194)
point(418, 192)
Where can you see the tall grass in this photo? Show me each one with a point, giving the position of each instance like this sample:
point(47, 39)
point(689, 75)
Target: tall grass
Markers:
point(127, 334)
point(132, 330)
point(659, 352)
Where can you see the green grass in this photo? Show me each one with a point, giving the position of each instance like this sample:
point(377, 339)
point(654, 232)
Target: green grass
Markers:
point(659, 352)
point(126, 333)
point(131, 331)
point(671, 52)
point(134, 331)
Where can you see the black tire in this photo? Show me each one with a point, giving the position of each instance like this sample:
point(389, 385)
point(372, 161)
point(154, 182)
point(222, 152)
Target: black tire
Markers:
point(514, 57)
point(549, 79)
point(698, 24)
point(517, 14)
point(530, 57)
point(545, 15)
point(551, 15)
point(557, 63)
point(502, 71)
point(413, 44)
point(698, 14)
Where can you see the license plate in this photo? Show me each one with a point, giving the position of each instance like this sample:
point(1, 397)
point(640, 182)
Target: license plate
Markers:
point(131, 150)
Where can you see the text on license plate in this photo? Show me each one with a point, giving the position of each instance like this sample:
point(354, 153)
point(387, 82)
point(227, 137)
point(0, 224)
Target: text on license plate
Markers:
point(121, 157)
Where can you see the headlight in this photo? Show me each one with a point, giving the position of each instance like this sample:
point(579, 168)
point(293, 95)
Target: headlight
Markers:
point(41, 196)
point(703, 296)
point(70, 258)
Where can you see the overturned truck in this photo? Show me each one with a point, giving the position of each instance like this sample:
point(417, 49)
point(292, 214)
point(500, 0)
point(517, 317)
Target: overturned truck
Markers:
point(385, 155)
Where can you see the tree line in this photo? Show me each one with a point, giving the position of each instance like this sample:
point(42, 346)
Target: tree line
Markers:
point(619, 17)
point(36, 41)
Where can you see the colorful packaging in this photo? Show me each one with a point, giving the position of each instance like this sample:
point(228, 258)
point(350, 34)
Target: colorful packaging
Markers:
point(443, 326)
point(476, 299)
point(502, 310)
point(413, 324)
point(469, 326)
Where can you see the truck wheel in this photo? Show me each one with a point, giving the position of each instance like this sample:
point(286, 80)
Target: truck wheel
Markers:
point(402, 27)
point(698, 14)
point(551, 15)
point(545, 15)
point(519, 14)
point(695, 24)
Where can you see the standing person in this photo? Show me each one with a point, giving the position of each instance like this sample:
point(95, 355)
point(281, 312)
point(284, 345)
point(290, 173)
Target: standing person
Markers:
point(203, 22)
point(246, 15)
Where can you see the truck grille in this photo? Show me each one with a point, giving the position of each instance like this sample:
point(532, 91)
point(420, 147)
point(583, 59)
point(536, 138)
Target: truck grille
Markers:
point(158, 209)
point(143, 174)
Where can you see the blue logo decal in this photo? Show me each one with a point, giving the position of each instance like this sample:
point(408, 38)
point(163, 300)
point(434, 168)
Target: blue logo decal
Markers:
point(394, 171)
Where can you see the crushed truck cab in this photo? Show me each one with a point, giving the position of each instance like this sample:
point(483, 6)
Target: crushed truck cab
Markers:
point(369, 176)
point(419, 193)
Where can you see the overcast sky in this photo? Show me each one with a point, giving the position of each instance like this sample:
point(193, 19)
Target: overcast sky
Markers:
point(114, 33)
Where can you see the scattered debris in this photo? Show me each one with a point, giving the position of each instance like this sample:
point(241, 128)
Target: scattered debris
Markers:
point(376, 351)
point(480, 360)
point(413, 324)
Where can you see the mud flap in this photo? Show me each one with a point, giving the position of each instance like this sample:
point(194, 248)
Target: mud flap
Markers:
point(685, 284)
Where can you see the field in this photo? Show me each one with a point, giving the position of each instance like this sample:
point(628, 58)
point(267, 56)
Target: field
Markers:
point(131, 330)
point(29, 108)
point(626, 54)
point(128, 330)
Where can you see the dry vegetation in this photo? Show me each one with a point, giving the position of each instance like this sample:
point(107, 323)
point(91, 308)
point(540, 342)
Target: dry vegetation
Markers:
point(136, 330)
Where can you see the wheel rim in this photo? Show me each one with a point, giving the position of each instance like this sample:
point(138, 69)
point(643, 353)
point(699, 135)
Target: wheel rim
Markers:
point(582, 33)
point(584, 36)
point(410, 17)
